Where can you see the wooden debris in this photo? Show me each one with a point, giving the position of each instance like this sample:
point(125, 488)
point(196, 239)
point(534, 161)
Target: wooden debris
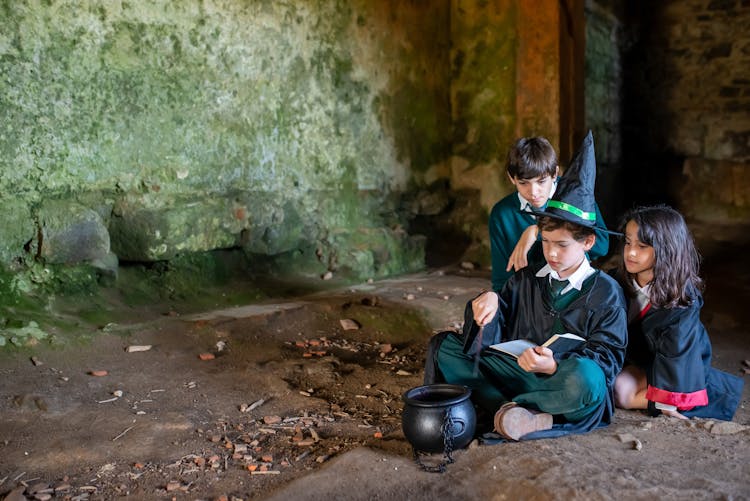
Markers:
point(206, 356)
point(133, 348)
point(253, 406)
point(123, 433)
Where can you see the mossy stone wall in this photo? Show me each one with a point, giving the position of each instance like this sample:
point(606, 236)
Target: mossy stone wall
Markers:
point(192, 121)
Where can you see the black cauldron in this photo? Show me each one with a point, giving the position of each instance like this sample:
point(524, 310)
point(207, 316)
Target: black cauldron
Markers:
point(438, 417)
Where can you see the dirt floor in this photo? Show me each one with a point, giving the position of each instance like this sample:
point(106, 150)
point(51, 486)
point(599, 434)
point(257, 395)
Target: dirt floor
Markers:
point(301, 399)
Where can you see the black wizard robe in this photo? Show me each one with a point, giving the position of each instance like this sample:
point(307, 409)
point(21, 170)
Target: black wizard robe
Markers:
point(597, 314)
point(672, 346)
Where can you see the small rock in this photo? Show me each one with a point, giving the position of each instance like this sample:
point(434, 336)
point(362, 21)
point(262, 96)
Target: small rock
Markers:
point(637, 445)
point(349, 324)
point(327, 275)
point(409, 297)
point(402, 372)
point(36, 361)
point(271, 419)
point(98, 373)
point(206, 356)
point(172, 486)
point(467, 265)
point(386, 348)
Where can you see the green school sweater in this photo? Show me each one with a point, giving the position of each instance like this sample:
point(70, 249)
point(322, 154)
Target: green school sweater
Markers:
point(506, 224)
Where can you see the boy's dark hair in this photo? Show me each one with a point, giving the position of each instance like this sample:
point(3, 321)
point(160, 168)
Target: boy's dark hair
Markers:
point(531, 157)
point(579, 233)
point(676, 260)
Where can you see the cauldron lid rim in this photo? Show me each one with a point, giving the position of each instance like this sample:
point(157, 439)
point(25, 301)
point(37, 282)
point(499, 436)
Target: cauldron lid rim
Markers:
point(460, 393)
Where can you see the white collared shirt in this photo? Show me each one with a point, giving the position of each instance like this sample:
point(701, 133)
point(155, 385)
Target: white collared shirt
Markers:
point(575, 281)
point(642, 298)
point(525, 205)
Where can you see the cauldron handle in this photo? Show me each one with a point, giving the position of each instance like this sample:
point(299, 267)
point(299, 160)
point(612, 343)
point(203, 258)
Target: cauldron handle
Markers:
point(447, 431)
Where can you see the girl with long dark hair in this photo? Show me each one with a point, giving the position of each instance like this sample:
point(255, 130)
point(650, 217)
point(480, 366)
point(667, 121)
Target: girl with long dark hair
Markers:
point(668, 363)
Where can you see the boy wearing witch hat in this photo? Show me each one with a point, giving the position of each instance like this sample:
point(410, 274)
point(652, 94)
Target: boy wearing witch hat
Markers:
point(545, 393)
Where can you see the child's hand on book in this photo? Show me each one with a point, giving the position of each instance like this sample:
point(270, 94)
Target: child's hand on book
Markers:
point(538, 359)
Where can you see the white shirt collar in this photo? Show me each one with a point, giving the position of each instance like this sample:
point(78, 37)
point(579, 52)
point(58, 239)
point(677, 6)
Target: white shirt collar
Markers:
point(584, 271)
point(642, 298)
point(525, 205)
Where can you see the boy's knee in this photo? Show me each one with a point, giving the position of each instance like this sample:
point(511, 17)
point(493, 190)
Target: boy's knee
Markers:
point(585, 380)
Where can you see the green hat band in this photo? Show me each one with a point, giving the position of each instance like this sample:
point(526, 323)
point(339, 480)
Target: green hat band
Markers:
point(588, 216)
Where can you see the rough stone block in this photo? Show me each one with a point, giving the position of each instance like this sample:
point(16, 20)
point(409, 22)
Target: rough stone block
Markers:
point(17, 227)
point(152, 229)
point(376, 252)
point(276, 225)
point(70, 233)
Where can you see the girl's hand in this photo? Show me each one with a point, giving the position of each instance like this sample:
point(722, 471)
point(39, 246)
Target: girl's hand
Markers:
point(518, 258)
point(538, 359)
point(673, 414)
point(484, 308)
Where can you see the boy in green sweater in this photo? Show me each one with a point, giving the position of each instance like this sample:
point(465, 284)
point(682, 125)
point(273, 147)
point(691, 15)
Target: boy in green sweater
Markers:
point(533, 169)
point(544, 392)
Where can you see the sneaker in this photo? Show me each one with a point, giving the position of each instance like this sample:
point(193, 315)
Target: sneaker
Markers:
point(513, 421)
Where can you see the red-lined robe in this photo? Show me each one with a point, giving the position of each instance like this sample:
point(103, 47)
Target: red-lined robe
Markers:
point(673, 348)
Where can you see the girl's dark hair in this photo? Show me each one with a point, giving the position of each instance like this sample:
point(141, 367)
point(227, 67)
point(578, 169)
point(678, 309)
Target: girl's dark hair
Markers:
point(579, 233)
point(531, 157)
point(676, 260)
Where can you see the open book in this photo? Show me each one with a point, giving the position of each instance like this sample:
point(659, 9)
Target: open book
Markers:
point(557, 343)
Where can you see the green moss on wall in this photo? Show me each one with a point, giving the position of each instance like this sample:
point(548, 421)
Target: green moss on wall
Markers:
point(483, 85)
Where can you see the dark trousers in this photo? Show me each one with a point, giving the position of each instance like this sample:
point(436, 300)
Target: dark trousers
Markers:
point(574, 392)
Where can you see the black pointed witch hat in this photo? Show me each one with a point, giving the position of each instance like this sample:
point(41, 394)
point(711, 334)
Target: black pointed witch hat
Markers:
point(573, 199)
